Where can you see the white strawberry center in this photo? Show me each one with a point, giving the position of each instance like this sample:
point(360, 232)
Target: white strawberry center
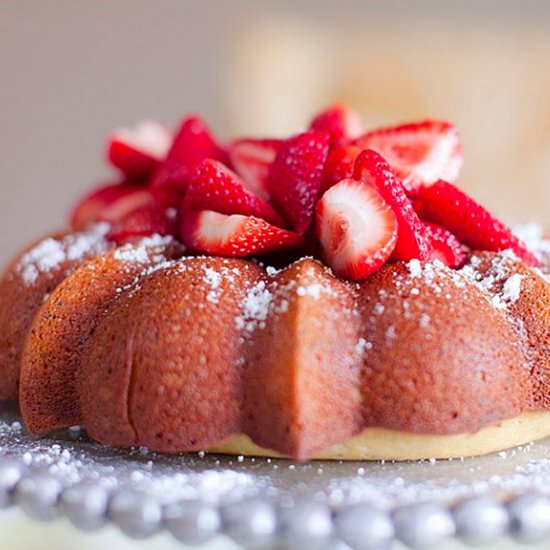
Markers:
point(217, 228)
point(352, 223)
point(149, 137)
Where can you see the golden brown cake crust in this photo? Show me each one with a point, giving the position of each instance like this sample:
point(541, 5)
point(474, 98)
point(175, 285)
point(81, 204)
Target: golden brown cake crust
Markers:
point(51, 359)
point(439, 358)
point(167, 359)
point(524, 296)
point(302, 376)
point(27, 281)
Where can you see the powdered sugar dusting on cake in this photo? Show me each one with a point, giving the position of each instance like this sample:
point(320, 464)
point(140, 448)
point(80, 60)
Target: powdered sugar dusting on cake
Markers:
point(145, 250)
point(255, 308)
point(502, 288)
point(50, 254)
point(415, 268)
point(512, 288)
point(213, 279)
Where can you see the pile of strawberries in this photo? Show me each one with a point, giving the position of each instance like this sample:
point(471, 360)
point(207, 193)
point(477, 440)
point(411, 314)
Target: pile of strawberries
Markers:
point(355, 199)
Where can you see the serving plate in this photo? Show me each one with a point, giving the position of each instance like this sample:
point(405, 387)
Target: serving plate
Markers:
point(264, 502)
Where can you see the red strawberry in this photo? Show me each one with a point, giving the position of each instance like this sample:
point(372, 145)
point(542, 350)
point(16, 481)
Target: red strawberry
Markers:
point(446, 247)
point(445, 204)
point(192, 143)
point(236, 236)
point(339, 165)
point(137, 152)
point(154, 218)
point(357, 229)
point(340, 122)
point(251, 159)
point(216, 187)
point(420, 153)
point(113, 198)
point(295, 177)
point(412, 238)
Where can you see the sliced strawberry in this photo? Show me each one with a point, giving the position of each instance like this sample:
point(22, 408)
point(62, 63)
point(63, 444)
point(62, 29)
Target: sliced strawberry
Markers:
point(412, 237)
point(251, 159)
point(295, 177)
point(137, 152)
point(339, 165)
point(216, 187)
point(340, 122)
point(446, 247)
point(192, 143)
point(154, 218)
point(420, 153)
point(445, 204)
point(236, 236)
point(92, 207)
point(357, 229)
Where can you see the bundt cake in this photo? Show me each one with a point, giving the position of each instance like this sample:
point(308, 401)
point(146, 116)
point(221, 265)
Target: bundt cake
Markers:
point(303, 297)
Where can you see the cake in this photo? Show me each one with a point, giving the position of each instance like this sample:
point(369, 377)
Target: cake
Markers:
point(329, 295)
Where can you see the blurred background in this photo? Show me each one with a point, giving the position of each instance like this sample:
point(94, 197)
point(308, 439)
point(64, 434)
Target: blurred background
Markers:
point(72, 70)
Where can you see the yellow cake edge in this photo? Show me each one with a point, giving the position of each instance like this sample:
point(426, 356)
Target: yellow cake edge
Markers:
point(385, 444)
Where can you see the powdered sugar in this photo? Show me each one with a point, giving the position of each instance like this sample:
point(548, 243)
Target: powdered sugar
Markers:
point(255, 308)
point(512, 288)
point(50, 253)
point(415, 268)
point(144, 251)
point(213, 279)
point(313, 290)
point(495, 280)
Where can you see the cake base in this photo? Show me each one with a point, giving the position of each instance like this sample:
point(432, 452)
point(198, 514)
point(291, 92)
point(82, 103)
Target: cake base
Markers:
point(384, 444)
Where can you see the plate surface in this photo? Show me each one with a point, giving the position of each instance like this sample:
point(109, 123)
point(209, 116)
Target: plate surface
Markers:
point(220, 481)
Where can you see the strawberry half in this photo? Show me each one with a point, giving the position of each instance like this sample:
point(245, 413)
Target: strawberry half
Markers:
point(251, 159)
point(420, 153)
point(137, 152)
point(357, 229)
point(154, 218)
point(192, 144)
point(340, 122)
point(236, 236)
point(445, 204)
point(446, 247)
point(339, 165)
point(108, 203)
point(216, 187)
point(412, 238)
point(295, 177)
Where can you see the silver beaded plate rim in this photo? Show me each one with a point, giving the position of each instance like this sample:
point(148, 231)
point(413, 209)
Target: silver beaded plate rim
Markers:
point(262, 502)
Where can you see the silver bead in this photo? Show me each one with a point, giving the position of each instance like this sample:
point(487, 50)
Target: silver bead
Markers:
point(480, 520)
point(423, 525)
point(251, 523)
point(11, 472)
point(530, 518)
point(365, 527)
point(307, 525)
point(85, 504)
point(192, 522)
point(137, 514)
point(38, 495)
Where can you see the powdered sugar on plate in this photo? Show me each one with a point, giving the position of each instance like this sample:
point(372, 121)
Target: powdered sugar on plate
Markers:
point(225, 479)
